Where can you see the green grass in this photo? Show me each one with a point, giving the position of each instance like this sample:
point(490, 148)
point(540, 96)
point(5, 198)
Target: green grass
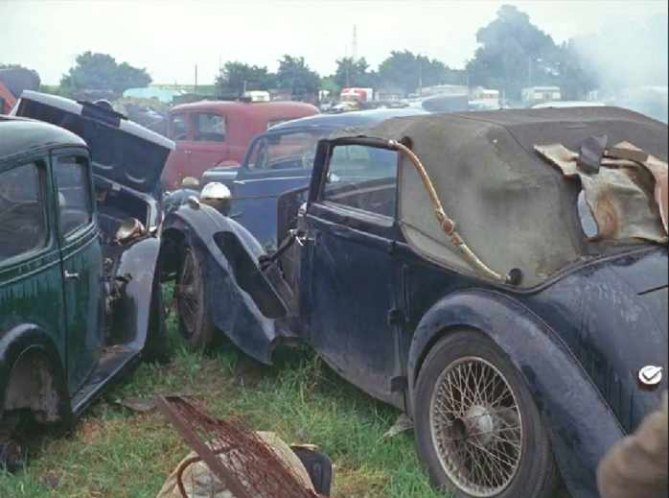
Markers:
point(114, 452)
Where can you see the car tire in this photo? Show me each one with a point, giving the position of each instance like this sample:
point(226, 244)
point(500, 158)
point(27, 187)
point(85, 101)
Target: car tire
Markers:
point(478, 430)
point(13, 456)
point(195, 324)
point(156, 347)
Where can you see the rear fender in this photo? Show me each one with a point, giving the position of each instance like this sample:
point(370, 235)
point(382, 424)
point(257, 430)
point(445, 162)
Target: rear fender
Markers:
point(581, 425)
point(132, 313)
point(46, 393)
point(241, 300)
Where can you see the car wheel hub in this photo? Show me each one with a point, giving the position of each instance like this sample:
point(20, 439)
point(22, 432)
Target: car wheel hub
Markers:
point(476, 427)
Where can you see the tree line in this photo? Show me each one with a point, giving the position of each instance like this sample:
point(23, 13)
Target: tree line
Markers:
point(512, 54)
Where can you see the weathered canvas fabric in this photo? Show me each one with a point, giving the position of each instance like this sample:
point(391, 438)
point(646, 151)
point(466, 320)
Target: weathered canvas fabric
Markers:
point(511, 207)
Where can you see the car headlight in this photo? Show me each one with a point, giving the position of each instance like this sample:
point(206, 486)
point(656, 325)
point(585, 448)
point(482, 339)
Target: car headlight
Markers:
point(129, 229)
point(216, 195)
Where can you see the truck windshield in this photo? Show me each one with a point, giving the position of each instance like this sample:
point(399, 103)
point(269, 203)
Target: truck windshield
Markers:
point(292, 149)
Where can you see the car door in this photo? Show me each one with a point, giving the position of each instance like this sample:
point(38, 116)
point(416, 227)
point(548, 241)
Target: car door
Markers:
point(352, 288)
point(30, 272)
point(81, 257)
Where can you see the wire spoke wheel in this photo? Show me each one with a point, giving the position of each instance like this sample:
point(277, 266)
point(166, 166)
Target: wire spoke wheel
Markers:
point(187, 293)
point(476, 427)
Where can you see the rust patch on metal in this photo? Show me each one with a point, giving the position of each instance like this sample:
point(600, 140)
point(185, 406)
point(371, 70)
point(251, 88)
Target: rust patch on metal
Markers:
point(250, 469)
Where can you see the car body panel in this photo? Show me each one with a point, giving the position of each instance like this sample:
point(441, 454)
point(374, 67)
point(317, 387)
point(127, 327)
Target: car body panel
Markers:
point(230, 257)
point(84, 304)
point(122, 151)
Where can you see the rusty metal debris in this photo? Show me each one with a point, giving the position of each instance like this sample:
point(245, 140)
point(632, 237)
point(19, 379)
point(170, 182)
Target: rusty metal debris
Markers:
point(240, 459)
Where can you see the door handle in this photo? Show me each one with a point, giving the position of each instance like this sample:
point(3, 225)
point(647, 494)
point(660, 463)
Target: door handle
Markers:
point(302, 239)
point(70, 276)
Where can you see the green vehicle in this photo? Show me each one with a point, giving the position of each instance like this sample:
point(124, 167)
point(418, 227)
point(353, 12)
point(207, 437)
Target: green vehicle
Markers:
point(79, 295)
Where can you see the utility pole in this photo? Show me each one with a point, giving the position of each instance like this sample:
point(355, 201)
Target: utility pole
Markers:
point(354, 45)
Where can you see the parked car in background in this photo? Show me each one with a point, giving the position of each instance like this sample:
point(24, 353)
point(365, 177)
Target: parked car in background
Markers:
point(7, 99)
point(280, 160)
point(210, 133)
point(562, 104)
point(454, 266)
point(80, 298)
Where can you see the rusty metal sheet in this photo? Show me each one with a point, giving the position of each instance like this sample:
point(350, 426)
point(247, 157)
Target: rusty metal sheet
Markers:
point(617, 195)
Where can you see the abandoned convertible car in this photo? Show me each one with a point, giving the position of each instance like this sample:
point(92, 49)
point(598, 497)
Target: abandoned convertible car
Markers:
point(79, 295)
point(501, 277)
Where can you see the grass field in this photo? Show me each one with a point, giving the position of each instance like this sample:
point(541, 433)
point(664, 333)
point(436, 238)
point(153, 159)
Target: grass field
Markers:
point(115, 452)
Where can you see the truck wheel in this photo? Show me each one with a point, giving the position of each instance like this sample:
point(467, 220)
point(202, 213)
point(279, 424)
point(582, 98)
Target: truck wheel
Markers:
point(195, 324)
point(478, 430)
point(156, 347)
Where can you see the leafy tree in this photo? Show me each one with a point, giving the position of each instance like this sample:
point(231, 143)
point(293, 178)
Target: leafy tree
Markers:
point(295, 75)
point(237, 77)
point(513, 54)
point(95, 71)
point(407, 71)
point(576, 77)
point(18, 78)
point(354, 73)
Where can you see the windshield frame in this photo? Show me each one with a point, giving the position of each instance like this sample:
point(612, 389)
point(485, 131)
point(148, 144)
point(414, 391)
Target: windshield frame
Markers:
point(319, 131)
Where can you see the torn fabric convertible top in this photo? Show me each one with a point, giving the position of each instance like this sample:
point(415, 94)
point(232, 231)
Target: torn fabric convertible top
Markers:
point(513, 208)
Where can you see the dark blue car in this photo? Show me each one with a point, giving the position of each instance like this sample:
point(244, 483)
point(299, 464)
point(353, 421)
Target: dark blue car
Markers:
point(280, 160)
point(495, 275)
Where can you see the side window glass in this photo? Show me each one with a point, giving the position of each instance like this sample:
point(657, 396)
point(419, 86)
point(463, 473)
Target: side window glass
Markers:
point(23, 226)
point(362, 177)
point(74, 195)
point(179, 127)
point(209, 127)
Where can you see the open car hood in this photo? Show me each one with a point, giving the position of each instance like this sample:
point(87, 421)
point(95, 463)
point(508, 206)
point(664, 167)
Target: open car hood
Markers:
point(122, 151)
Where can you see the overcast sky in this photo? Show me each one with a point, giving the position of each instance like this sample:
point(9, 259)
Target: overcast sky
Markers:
point(170, 37)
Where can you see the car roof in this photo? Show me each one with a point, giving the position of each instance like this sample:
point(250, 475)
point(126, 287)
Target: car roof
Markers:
point(255, 108)
point(354, 118)
point(501, 177)
point(23, 136)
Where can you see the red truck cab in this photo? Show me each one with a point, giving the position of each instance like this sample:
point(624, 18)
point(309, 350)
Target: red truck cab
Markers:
point(7, 100)
point(211, 133)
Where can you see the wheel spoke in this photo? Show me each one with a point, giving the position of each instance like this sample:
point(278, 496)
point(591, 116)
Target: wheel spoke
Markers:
point(476, 427)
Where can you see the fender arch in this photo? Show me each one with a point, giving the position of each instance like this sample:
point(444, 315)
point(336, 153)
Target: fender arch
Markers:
point(132, 314)
point(32, 375)
point(241, 301)
point(581, 425)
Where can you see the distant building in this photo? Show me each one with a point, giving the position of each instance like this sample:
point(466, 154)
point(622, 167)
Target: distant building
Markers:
point(484, 99)
point(165, 95)
point(428, 91)
point(537, 94)
point(257, 95)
